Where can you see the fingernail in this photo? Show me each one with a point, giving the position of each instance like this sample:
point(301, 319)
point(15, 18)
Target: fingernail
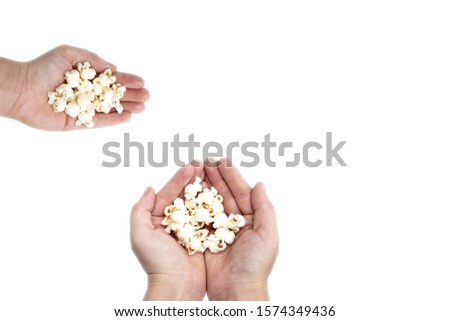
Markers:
point(196, 163)
point(147, 190)
point(263, 187)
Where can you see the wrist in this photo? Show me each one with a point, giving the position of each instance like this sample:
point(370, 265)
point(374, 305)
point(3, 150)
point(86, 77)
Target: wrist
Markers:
point(244, 291)
point(170, 288)
point(12, 78)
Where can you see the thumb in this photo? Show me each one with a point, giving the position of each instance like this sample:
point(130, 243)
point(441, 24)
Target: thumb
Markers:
point(264, 212)
point(77, 55)
point(141, 215)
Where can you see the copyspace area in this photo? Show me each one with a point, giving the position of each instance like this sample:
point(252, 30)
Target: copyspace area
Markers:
point(370, 238)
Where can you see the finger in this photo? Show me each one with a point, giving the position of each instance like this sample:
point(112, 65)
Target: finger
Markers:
point(216, 180)
point(129, 80)
point(207, 181)
point(199, 169)
point(111, 119)
point(173, 188)
point(205, 184)
point(101, 65)
point(77, 55)
point(237, 184)
point(199, 172)
point(81, 55)
point(264, 216)
point(133, 107)
point(141, 212)
point(100, 120)
point(140, 95)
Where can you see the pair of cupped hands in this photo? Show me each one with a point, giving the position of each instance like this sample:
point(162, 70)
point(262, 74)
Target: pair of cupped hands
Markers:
point(238, 273)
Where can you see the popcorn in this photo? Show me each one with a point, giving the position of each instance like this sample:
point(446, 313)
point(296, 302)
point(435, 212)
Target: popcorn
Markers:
point(225, 234)
point(72, 78)
point(86, 72)
point(201, 234)
point(236, 222)
point(199, 221)
point(195, 246)
point(85, 117)
point(64, 91)
point(85, 92)
point(73, 110)
point(186, 234)
point(59, 105)
point(221, 220)
point(192, 189)
point(203, 216)
point(214, 244)
point(86, 86)
point(84, 101)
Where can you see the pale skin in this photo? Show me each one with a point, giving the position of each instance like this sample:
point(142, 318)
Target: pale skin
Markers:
point(240, 272)
point(24, 87)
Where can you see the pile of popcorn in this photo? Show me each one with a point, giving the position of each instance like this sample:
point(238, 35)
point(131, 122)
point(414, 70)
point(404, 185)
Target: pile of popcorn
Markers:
point(85, 92)
point(199, 221)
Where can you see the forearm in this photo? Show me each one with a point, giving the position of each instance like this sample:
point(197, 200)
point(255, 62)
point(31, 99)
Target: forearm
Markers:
point(164, 288)
point(12, 74)
point(251, 291)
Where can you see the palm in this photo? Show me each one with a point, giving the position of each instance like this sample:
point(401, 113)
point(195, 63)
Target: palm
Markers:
point(170, 258)
point(176, 260)
point(235, 264)
point(44, 74)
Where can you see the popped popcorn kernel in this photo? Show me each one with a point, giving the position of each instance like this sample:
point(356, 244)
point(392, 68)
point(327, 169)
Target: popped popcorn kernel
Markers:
point(86, 92)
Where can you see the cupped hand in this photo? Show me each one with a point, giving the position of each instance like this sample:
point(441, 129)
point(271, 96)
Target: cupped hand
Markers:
point(242, 270)
point(172, 273)
point(46, 72)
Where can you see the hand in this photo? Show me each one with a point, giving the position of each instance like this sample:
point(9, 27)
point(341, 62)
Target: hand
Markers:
point(242, 270)
point(172, 273)
point(31, 82)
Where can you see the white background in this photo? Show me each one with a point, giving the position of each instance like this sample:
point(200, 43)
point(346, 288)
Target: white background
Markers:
point(371, 239)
